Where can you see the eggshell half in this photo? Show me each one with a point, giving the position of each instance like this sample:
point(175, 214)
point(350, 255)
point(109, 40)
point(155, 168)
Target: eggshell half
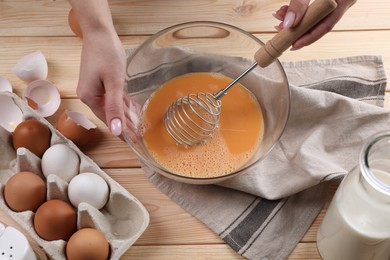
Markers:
point(76, 127)
point(5, 85)
point(10, 114)
point(31, 67)
point(45, 95)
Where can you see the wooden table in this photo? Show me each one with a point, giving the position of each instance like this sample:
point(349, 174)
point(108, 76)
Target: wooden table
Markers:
point(27, 26)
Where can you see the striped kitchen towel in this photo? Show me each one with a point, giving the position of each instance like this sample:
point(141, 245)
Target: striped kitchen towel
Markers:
point(336, 105)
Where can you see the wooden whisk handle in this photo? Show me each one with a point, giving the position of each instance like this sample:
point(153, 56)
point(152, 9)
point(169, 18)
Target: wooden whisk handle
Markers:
point(283, 40)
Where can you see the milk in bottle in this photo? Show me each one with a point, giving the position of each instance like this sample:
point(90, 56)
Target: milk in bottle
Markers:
point(357, 223)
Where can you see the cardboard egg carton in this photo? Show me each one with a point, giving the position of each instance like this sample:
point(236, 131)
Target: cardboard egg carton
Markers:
point(122, 220)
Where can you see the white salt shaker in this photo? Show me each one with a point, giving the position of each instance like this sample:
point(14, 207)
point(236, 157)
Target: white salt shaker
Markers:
point(357, 223)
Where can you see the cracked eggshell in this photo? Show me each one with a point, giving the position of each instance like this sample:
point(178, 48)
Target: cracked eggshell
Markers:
point(76, 127)
point(10, 114)
point(43, 97)
point(31, 67)
point(5, 85)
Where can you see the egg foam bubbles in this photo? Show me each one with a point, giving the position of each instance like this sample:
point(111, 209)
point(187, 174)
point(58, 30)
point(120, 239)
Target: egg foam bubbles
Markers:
point(236, 139)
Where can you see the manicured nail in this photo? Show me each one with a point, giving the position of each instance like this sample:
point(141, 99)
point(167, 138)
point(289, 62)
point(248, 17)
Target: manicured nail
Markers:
point(289, 20)
point(277, 16)
point(116, 126)
point(295, 49)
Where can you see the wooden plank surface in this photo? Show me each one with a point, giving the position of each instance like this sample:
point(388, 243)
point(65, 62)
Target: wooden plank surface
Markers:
point(49, 18)
point(26, 26)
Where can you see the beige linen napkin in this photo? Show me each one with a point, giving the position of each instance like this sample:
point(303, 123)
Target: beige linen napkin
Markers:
point(335, 106)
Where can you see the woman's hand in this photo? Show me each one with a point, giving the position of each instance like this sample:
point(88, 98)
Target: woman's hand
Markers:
point(103, 63)
point(290, 16)
point(102, 77)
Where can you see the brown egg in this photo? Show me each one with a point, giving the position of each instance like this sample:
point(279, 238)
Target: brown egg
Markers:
point(25, 191)
point(55, 219)
point(74, 24)
point(76, 127)
point(33, 135)
point(87, 243)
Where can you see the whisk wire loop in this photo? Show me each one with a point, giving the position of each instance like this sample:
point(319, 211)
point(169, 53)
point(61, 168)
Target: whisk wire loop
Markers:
point(193, 118)
point(174, 127)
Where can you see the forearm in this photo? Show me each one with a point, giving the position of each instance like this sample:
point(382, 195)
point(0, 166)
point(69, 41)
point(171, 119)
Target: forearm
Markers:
point(93, 16)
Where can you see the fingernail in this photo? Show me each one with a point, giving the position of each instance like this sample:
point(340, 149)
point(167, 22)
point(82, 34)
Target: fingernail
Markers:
point(277, 16)
point(116, 126)
point(277, 28)
point(289, 20)
point(294, 48)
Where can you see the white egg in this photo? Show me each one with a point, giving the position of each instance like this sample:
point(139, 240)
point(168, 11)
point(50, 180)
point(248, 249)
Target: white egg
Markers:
point(60, 160)
point(90, 188)
point(31, 67)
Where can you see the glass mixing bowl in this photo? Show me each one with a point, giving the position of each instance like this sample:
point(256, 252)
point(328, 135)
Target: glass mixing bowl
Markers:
point(207, 47)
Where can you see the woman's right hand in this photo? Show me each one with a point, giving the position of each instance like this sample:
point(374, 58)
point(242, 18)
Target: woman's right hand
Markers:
point(290, 16)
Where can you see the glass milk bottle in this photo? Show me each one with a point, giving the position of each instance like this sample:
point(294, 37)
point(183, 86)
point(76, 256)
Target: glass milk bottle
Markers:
point(357, 223)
